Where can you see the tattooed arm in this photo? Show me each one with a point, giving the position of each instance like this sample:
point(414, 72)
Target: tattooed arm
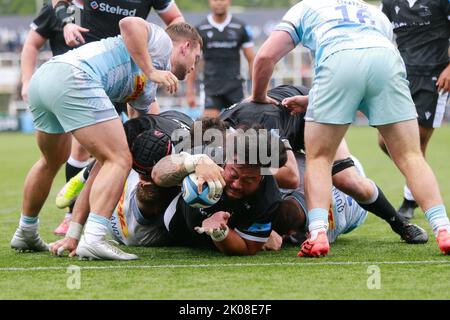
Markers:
point(171, 170)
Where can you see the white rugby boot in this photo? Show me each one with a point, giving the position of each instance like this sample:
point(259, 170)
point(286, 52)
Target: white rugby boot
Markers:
point(102, 250)
point(24, 240)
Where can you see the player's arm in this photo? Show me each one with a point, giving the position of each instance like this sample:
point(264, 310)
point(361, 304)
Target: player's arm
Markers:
point(288, 176)
point(28, 59)
point(249, 55)
point(170, 14)
point(443, 82)
point(228, 241)
point(135, 34)
point(274, 48)
point(171, 170)
point(73, 33)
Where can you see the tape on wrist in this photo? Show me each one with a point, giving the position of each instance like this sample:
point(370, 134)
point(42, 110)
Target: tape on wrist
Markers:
point(219, 235)
point(74, 230)
point(191, 161)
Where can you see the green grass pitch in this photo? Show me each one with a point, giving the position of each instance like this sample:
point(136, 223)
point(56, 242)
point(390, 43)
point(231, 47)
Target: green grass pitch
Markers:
point(405, 271)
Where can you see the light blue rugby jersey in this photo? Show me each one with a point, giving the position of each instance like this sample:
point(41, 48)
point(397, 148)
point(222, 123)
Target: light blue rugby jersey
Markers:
point(328, 26)
point(109, 62)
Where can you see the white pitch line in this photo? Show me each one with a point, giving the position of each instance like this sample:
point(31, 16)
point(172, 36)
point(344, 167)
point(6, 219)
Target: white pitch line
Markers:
point(329, 263)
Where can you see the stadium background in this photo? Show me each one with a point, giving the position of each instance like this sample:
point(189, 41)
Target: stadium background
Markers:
point(407, 272)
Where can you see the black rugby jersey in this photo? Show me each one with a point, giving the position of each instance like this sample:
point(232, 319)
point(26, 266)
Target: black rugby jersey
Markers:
point(290, 127)
point(422, 28)
point(50, 27)
point(102, 17)
point(221, 47)
point(251, 218)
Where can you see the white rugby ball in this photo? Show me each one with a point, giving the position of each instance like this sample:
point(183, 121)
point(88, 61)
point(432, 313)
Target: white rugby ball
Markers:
point(189, 191)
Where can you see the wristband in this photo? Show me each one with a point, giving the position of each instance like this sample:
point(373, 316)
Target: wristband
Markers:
point(74, 230)
point(191, 161)
point(219, 235)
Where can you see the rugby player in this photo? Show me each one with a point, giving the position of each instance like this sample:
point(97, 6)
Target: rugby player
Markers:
point(125, 69)
point(344, 175)
point(224, 36)
point(344, 34)
point(422, 30)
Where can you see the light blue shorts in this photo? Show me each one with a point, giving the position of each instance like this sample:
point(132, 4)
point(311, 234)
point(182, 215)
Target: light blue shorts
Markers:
point(64, 98)
point(372, 80)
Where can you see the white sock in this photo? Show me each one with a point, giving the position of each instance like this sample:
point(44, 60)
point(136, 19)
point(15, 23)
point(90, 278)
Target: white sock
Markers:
point(68, 215)
point(407, 194)
point(96, 228)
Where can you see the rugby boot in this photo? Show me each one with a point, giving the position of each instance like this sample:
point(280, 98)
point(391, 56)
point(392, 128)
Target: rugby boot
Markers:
point(406, 210)
point(443, 240)
point(69, 193)
point(24, 240)
point(411, 233)
point(315, 248)
point(61, 230)
point(101, 250)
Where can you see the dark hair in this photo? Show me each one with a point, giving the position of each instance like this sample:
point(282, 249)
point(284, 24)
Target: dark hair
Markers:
point(255, 138)
point(182, 30)
point(207, 123)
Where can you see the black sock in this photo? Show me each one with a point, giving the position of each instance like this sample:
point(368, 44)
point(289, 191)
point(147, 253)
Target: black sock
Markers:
point(71, 171)
point(383, 208)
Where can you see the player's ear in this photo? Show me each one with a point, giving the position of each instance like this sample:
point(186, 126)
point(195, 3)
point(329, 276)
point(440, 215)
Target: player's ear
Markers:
point(185, 47)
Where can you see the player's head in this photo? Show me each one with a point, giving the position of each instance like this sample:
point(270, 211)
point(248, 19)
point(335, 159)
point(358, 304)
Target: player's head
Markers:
point(249, 150)
point(219, 7)
point(290, 217)
point(147, 149)
point(187, 44)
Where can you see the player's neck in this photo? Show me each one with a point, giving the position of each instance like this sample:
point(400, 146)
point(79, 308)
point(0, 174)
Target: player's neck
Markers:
point(219, 18)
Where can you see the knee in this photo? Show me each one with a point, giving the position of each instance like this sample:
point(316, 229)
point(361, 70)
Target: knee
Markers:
point(353, 184)
point(124, 160)
point(382, 145)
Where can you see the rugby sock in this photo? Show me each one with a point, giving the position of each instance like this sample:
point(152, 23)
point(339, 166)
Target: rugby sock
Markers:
point(28, 223)
point(437, 218)
point(68, 215)
point(382, 208)
point(317, 221)
point(74, 166)
point(407, 194)
point(96, 228)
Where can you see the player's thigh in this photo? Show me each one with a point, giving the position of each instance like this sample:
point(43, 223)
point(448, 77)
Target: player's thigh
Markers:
point(78, 152)
point(388, 98)
point(430, 105)
point(105, 141)
point(235, 95)
point(338, 88)
point(322, 140)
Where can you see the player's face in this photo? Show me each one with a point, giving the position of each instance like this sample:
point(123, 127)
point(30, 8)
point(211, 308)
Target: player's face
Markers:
point(188, 57)
point(219, 7)
point(241, 180)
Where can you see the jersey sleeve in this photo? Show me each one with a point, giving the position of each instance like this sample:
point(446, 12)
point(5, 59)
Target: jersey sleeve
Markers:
point(291, 23)
point(44, 22)
point(385, 7)
point(247, 37)
point(162, 5)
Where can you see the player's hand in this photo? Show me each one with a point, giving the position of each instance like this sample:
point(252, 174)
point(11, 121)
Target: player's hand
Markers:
point(265, 100)
point(296, 104)
point(165, 78)
point(443, 83)
point(24, 91)
point(73, 34)
point(67, 244)
point(208, 171)
point(274, 243)
point(218, 220)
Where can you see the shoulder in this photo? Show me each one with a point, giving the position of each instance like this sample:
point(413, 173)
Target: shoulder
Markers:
point(203, 25)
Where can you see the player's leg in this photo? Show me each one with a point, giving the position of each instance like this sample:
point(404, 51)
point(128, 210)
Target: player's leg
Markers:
point(55, 149)
point(371, 198)
point(106, 141)
point(402, 140)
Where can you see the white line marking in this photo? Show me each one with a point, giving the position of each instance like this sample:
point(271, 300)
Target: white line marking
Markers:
point(330, 263)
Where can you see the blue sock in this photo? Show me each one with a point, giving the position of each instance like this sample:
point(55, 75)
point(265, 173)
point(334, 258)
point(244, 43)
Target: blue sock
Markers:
point(317, 221)
point(28, 223)
point(437, 218)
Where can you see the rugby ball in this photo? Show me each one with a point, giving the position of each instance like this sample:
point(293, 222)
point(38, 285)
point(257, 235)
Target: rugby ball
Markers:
point(189, 191)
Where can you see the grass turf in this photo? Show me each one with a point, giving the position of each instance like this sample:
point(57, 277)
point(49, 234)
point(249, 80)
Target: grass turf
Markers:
point(406, 271)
